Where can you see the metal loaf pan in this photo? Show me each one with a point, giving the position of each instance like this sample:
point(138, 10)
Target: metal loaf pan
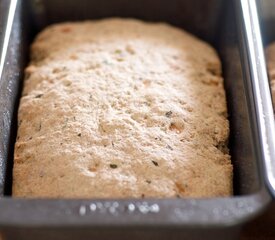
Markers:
point(225, 25)
point(266, 35)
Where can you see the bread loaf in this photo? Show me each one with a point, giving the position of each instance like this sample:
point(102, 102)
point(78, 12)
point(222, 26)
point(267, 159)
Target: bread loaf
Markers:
point(270, 52)
point(122, 109)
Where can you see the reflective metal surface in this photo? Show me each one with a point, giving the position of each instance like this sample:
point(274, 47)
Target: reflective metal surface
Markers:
point(266, 9)
point(7, 9)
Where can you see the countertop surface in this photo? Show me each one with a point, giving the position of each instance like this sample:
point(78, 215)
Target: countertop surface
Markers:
point(263, 228)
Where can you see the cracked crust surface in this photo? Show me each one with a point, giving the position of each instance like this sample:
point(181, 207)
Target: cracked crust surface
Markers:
point(122, 108)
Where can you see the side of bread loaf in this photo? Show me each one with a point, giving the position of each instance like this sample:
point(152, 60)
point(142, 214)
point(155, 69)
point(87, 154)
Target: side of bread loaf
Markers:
point(270, 53)
point(122, 108)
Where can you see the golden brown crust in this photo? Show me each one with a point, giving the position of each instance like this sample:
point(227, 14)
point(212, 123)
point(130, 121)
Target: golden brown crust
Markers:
point(270, 53)
point(122, 108)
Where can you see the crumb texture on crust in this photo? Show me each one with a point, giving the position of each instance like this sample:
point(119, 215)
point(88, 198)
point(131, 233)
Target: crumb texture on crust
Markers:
point(122, 108)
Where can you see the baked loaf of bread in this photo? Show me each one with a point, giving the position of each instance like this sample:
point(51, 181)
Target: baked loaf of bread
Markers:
point(119, 109)
point(270, 53)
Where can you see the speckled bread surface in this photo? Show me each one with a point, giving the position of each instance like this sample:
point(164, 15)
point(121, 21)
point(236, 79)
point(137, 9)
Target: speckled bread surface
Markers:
point(122, 109)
